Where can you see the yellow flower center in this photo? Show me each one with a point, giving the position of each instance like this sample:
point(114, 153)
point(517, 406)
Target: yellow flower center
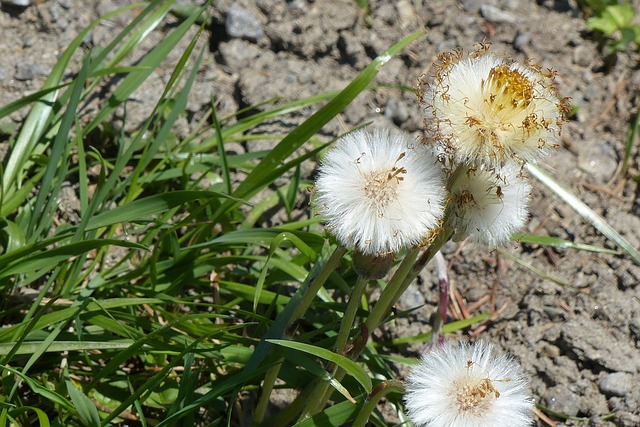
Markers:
point(475, 397)
point(503, 115)
point(382, 187)
point(508, 88)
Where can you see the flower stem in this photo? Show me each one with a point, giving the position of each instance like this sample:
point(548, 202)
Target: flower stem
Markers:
point(350, 314)
point(315, 285)
point(388, 297)
point(437, 336)
point(443, 237)
point(322, 391)
point(378, 393)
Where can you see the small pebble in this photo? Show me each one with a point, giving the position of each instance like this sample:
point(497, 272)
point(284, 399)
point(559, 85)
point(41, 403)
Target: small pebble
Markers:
point(560, 399)
point(496, 15)
point(298, 6)
point(471, 6)
point(616, 384)
point(396, 111)
point(521, 40)
point(242, 23)
point(17, 3)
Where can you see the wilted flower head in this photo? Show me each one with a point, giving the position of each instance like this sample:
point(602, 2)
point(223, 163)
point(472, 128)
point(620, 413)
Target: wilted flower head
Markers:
point(467, 386)
point(380, 192)
point(488, 111)
point(489, 205)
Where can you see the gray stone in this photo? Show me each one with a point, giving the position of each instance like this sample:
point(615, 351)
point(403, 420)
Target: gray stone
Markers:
point(298, 6)
point(521, 40)
point(396, 111)
point(242, 23)
point(592, 343)
point(598, 161)
point(411, 298)
point(583, 56)
point(617, 383)
point(238, 53)
point(25, 71)
point(561, 399)
point(472, 6)
point(496, 15)
point(17, 3)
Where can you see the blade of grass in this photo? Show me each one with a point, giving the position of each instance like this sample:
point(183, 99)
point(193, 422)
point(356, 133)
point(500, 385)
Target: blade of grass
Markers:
point(632, 137)
point(57, 165)
point(50, 395)
point(87, 411)
point(148, 207)
point(41, 112)
point(256, 179)
point(49, 258)
point(535, 239)
point(426, 337)
point(344, 362)
point(221, 151)
point(336, 415)
point(59, 346)
point(43, 419)
point(532, 268)
point(585, 211)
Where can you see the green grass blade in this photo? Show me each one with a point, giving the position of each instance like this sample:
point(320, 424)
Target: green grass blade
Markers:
point(87, 411)
point(59, 346)
point(50, 395)
point(255, 181)
point(57, 163)
point(67, 313)
point(536, 239)
point(42, 111)
point(43, 419)
point(224, 165)
point(277, 241)
point(147, 65)
point(345, 363)
point(45, 260)
point(632, 138)
point(532, 268)
point(446, 329)
point(336, 415)
point(149, 206)
point(177, 109)
point(25, 101)
point(585, 211)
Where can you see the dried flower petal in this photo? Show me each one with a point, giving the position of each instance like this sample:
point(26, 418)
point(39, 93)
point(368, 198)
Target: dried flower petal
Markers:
point(490, 111)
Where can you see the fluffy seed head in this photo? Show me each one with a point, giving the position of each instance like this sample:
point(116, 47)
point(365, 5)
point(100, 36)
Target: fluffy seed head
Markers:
point(489, 111)
point(380, 192)
point(466, 385)
point(489, 205)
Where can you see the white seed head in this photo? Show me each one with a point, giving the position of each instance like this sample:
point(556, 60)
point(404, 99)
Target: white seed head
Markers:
point(489, 205)
point(467, 385)
point(380, 192)
point(490, 111)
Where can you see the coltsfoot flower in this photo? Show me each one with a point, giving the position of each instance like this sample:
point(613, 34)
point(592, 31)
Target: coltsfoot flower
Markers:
point(489, 205)
point(467, 385)
point(380, 192)
point(489, 111)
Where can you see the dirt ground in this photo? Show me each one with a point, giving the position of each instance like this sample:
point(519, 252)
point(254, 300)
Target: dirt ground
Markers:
point(577, 336)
